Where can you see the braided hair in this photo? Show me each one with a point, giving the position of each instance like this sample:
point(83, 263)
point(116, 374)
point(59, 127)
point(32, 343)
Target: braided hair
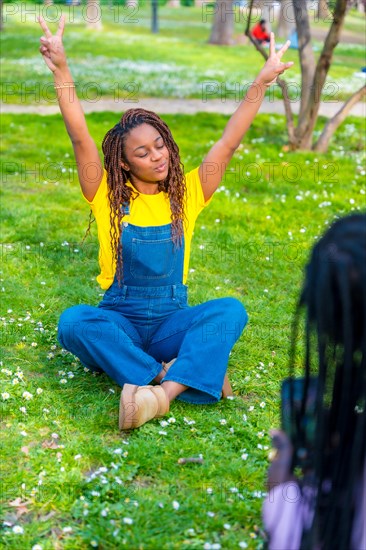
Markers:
point(334, 297)
point(120, 194)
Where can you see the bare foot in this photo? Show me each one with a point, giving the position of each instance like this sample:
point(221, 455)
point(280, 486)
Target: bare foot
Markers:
point(162, 373)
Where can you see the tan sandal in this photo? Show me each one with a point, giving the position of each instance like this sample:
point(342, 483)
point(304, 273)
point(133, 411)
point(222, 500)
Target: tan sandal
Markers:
point(226, 388)
point(139, 404)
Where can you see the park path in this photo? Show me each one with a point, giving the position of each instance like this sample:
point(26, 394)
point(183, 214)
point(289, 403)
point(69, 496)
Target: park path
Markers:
point(177, 106)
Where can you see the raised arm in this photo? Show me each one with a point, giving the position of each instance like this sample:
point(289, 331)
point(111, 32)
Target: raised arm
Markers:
point(214, 164)
point(87, 158)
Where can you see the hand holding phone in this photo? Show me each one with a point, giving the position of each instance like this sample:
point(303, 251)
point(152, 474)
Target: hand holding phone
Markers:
point(298, 411)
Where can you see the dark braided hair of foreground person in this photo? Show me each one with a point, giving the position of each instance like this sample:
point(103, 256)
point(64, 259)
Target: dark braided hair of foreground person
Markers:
point(334, 296)
point(121, 194)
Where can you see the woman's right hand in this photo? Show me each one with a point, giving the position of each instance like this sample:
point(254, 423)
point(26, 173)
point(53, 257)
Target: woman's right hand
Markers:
point(52, 48)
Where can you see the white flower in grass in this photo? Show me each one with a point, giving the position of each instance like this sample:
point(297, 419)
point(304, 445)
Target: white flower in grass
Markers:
point(209, 490)
point(67, 529)
point(161, 432)
point(176, 505)
point(207, 546)
point(5, 395)
point(227, 526)
point(189, 422)
point(46, 411)
point(77, 457)
point(104, 512)
point(7, 371)
point(117, 451)
point(39, 391)
point(50, 355)
point(93, 543)
point(23, 410)
point(63, 381)
point(171, 420)
point(251, 408)
point(243, 545)
point(211, 514)
point(34, 344)
point(223, 421)
point(28, 396)
point(216, 546)
point(54, 436)
point(23, 433)
point(18, 530)
point(163, 423)
point(15, 381)
point(37, 547)
point(244, 456)
point(128, 521)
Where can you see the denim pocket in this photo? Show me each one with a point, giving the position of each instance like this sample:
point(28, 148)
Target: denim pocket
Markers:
point(152, 259)
point(108, 302)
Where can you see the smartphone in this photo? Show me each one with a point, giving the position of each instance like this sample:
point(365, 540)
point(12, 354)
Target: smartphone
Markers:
point(298, 417)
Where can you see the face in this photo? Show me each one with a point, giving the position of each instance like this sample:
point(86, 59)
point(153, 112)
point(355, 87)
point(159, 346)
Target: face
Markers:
point(147, 157)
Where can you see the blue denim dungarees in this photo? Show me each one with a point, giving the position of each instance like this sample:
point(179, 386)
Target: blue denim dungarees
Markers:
point(147, 320)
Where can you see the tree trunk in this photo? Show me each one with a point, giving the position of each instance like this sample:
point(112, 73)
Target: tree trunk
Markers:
point(309, 110)
point(223, 25)
point(93, 15)
point(323, 10)
point(307, 59)
point(331, 126)
point(286, 22)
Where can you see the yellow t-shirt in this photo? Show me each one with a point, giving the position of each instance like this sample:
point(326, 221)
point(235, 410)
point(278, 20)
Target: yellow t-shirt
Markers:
point(145, 211)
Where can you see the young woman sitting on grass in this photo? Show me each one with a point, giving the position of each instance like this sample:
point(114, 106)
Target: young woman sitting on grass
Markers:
point(143, 332)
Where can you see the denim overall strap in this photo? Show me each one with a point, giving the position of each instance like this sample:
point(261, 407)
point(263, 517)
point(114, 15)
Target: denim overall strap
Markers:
point(150, 258)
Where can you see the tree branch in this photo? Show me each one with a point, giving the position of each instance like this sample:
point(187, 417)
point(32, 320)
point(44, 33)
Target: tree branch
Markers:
point(282, 83)
point(331, 126)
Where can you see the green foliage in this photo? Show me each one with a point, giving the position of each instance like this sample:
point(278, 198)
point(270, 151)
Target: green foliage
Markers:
point(82, 481)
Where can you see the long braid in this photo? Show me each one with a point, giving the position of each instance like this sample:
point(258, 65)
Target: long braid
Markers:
point(334, 296)
point(120, 194)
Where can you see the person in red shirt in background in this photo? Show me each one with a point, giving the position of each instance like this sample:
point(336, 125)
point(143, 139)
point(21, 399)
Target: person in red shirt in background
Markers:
point(259, 32)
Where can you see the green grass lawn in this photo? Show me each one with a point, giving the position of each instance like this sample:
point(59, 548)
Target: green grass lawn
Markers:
point(84, 484)
point(126, 60)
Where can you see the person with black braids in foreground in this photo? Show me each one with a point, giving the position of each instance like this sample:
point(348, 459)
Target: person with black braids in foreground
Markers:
point(324, 507)
point(143, 334)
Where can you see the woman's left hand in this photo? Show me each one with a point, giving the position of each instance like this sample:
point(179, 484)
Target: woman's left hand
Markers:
point(274, 66)
point(280, 468)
